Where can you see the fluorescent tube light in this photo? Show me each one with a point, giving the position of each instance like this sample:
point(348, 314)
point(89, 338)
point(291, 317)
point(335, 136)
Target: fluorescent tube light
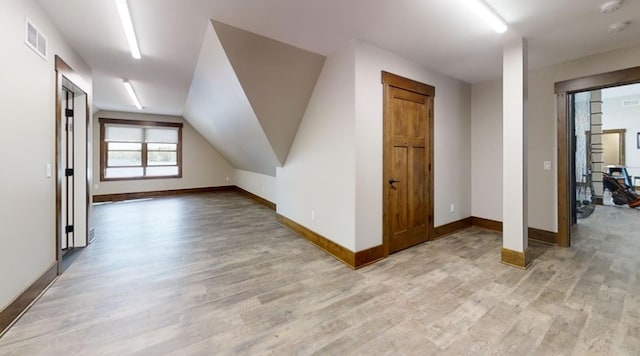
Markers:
point(127, 25)
point(487, 14)
point(132, 94)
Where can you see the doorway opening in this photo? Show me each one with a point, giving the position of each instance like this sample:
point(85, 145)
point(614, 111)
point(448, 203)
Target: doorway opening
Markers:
point(407, 163)
point(589, 151)
point(71, 165)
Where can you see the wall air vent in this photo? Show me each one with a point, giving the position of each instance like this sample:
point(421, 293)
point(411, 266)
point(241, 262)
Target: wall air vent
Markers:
point(627, 103)
point(35, 39)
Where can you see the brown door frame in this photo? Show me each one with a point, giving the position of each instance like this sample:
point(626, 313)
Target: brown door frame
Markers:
point(64, 70)
point(563, 91)
point(392, 80)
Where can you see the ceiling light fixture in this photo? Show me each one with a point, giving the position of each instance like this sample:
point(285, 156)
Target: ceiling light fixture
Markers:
point(127, 25)
point(487, 14)
point(611, 6)
point(132, 94)
point(618, 27)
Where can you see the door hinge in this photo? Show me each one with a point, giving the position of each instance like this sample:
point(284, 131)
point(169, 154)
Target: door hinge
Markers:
point(68, 112)
point(68, 229)
point(68, 172)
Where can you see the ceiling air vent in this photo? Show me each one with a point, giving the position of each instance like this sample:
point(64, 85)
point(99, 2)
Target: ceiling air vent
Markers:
point(627, 103)
point(35, 39)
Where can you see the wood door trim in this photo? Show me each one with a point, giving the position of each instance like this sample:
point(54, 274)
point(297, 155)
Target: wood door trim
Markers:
point(103, 198)
point(489, 224)
point(518, 259)
point(160, 193)
point(407, 84)
point(21, 304)
point(599, 81)
point(352, 259)
point(62, 69)
point(258, 199)
point(392, 80)
point(142, 123)
point(535, 234)
point(563, 90)
point(544, 236)
point(450, 228)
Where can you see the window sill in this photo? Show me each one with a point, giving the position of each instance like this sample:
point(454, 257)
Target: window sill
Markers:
point(102, 179)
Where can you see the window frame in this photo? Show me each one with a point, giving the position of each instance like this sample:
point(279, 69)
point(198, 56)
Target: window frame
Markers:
point(144, 159)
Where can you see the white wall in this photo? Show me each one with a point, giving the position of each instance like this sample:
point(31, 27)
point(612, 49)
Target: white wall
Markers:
point(202, 165)
point(335, 165)
point(542, 125)
point(486, 150)
point(27, 98)
point(219, 109)
point(452, 161)
point(271, 74)
point(542, 129)
point(319, 174)
point(614, 116)
point(261, 185)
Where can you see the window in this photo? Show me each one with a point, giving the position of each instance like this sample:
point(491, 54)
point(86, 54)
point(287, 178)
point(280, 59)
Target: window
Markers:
point(140, 149)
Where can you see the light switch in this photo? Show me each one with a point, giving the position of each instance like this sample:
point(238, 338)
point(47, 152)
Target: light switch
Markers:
point(547, 165)
point(48, 170)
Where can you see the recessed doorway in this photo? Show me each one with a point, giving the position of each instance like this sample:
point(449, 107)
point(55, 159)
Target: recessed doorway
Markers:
point(569, 162)
point(72, 159)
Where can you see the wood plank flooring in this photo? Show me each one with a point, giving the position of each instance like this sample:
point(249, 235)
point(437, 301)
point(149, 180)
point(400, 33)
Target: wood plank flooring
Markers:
point(214, 274)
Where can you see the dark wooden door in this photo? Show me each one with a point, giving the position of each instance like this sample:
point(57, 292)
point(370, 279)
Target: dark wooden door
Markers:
point(408, 176)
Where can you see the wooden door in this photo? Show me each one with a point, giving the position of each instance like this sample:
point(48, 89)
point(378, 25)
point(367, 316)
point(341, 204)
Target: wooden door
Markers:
point(407, 157)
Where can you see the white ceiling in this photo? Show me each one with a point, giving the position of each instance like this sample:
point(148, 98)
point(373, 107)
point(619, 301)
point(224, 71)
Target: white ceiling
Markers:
point(441, 34)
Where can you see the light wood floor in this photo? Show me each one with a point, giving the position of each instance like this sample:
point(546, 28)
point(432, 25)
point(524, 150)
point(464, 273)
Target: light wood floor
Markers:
point(214, 274)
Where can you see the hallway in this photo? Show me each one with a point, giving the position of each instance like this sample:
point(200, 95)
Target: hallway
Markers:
point(215, 274)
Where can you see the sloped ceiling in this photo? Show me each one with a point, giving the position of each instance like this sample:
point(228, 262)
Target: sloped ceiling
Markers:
point(277, 78)
point(441, 35)
point(248, 96)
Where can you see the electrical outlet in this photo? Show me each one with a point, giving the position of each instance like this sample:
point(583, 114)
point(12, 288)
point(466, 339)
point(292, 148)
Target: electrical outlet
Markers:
point(227, 179)
point(313, 215)
point(452, 209)
point(547, 165)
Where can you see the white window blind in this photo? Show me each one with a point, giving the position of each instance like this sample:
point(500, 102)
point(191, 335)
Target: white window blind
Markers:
point(114, 133)
point(161, 135)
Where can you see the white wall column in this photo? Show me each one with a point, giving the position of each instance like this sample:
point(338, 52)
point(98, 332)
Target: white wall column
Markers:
point(514, 124)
